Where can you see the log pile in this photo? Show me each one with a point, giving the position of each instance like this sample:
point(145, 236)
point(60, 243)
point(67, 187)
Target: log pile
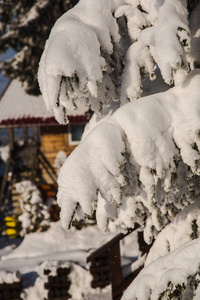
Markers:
point(58, 284)
point(10, 285)
point(10, 291)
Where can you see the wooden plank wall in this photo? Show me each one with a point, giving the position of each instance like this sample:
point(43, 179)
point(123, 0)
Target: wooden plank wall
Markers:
point(52, 140)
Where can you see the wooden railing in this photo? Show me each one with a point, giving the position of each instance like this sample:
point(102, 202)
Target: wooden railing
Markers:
point(5, 181)
point(47, 167)
point(8, 167)
point(105, 266)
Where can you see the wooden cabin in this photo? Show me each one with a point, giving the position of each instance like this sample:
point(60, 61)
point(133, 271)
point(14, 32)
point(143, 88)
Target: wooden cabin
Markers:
point(34, 136)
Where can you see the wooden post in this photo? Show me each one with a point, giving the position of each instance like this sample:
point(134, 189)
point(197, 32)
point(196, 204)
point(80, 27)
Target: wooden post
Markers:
point(25, 135)
point(11, 139)
point(116, 271)
point(8, 164)
point(4, 182)
point(35, 129)
point(36, 153)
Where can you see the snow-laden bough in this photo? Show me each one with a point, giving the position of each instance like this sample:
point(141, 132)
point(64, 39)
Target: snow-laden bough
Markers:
point(142, 161)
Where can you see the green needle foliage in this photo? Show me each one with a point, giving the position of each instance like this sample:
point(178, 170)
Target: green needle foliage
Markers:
point(25, 26)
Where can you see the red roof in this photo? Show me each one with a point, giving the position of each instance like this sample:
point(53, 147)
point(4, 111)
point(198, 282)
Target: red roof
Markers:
point(18, 109)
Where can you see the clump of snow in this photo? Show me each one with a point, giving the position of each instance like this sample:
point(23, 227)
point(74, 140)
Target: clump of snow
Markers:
point(4, 153)
point(146, 30)
point(173, 269)
point(112, 157)
point(80, 282)
point(36, 292)
point(69, 75)
point(181, 230)
point(9, 277)
point(131, 85)
point(60, 159)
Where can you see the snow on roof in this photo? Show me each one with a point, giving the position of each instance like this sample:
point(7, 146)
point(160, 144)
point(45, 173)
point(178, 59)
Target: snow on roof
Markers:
point(20, 109)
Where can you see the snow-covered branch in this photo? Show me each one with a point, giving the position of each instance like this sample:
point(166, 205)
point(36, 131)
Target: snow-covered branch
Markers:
point(87, 33)
point(142, 161)
point(174, 276)
point(93, 31)
point(152, 164)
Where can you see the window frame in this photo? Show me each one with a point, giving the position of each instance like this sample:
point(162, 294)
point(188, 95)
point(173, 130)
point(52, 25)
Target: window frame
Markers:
point(70, 141)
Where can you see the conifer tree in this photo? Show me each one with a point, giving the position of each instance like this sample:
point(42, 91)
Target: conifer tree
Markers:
point(25, 26)
point(136, 64)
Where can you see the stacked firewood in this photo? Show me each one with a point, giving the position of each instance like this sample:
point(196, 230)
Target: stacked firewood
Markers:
point(35, 213)
point(10, 285)
point(58, 284)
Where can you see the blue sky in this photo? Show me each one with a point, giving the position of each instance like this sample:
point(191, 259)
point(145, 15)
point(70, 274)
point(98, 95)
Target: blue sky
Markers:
point(4, 80)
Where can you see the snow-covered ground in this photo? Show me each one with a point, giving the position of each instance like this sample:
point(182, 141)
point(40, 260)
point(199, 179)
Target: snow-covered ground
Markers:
point(59, 246)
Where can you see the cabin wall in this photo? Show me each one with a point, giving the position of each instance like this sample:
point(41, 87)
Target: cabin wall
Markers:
point(39, 150)
point(54, 139)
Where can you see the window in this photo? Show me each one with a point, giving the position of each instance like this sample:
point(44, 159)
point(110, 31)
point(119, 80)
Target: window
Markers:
point(4, 137)
point(75, 133)
point(25, 134)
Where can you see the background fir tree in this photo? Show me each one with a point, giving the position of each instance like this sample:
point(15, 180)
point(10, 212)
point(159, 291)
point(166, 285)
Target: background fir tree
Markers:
point(25, 26)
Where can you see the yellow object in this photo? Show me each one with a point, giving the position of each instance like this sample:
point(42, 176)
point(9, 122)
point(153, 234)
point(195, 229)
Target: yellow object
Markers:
point(11, 224)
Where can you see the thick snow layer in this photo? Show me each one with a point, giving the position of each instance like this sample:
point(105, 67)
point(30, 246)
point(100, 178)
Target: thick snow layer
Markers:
point(142, 139)
point(59, 160)
point(9, 277)
point(58, 247)
point(139, 161)
point(175, 267)
point(91, 46)
point(72, 245)
point(57, 239)
point(180, 231)
point(69, 75)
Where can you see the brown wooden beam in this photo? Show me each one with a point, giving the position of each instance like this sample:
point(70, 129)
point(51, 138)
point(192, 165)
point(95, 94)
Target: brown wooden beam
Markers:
point(126, 282)
point(25, 129)
point(116, 271)
point(11, 138)
point(4, 182)
point(35, 165)
point(110, 243)
point(8, 165)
